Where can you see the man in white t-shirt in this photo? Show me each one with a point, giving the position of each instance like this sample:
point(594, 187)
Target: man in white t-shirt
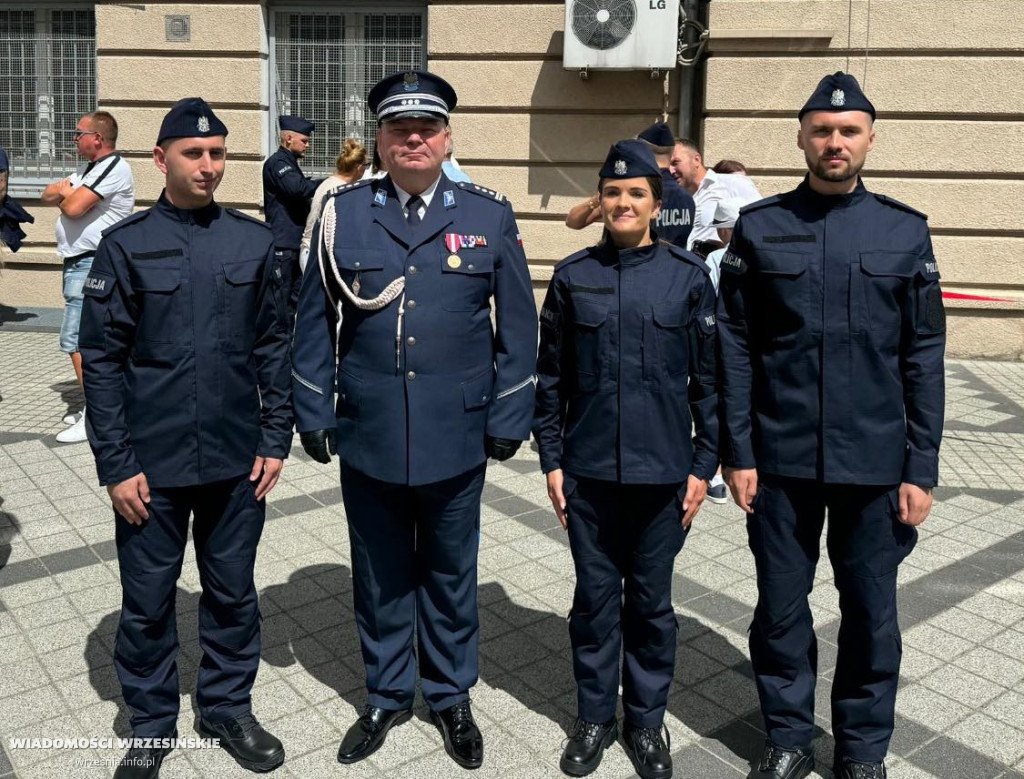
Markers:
point(97, 195)
point(708, 189)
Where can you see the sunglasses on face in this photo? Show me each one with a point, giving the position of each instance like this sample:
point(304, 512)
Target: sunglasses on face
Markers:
point(79, 133)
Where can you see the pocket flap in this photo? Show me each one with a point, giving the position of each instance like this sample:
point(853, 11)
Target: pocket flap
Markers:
point(782, 263)
point(472, 262)
point(146, 279)
point(243, 272)
point(588, 312)
point(360, 259)
point(476, 392)
point(671, 313)
point(888, 263)
point(349, 389)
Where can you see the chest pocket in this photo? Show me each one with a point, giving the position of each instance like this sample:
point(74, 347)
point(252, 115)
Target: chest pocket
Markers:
point(671, 344)
point(158, 296)
point(880, 287)
point(366, 266)
point(782, 293)
point(467, 285)
point(241, 301)
point(590, 339)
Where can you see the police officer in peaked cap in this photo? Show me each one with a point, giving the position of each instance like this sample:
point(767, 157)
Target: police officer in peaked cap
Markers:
point(395, 310)
point(626, 371)
point(832, 334)
point(185, 354)
point(287, 194)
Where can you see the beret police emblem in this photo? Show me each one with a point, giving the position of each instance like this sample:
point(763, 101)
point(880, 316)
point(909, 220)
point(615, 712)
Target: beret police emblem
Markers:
point(203, 124)
point(838, 98)
point(620, 167)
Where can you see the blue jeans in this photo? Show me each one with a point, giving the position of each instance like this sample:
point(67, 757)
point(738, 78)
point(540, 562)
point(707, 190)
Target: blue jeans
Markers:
point(75, 274)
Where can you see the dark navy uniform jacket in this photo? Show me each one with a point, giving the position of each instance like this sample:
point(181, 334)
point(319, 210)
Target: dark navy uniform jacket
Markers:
point(675, 220)
point(627, 367)
point(832, 334)
point(286, 197)
point(185, 347)
point(415, 410)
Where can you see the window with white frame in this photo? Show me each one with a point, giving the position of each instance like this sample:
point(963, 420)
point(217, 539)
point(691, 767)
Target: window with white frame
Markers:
point(47, 81)
point(324, 63)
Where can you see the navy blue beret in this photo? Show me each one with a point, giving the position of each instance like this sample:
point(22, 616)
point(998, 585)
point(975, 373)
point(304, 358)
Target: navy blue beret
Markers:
point(5, 164)
point(658, 134)
point(629, 160)
point(190, 117)
point(838, 92)
point(296, 124)
point(412, 93)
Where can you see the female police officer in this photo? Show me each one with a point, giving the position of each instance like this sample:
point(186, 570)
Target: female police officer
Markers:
point(626, 374)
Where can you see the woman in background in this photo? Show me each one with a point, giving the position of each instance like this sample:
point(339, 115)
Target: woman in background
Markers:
point(350, 166)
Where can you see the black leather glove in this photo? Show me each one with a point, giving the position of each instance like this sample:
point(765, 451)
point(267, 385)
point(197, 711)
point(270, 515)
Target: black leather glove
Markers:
point(500, 448)
point(320, 444)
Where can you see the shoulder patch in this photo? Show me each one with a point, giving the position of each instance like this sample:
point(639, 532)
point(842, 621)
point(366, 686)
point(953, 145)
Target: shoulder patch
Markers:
point(732, 263)
point(482, 191)
point(898, 205)
point(582, 254)
point(247, 218)
point(686, 256)
point(758, 204)
point(128, 220)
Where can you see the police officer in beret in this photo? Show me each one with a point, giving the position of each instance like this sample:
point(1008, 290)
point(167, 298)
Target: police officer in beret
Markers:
point(626, 370)
point(185, 353)
point(395, 309)
point(287, 196)
point(832, 335)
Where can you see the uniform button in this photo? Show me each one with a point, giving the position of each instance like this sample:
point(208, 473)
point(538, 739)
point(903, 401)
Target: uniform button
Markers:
point(483, 397)
point(357, 264)
point(470, 267)
point(411, 340)
point(411, 375)
point(412, 269)
point(411, 304)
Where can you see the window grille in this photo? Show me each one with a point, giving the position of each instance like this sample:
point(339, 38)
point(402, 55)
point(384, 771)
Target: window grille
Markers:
point(47, 82)
point(325, 62)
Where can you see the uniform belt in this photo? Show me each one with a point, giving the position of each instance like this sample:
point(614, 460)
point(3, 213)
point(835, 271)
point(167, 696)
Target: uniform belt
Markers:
point(82, 256)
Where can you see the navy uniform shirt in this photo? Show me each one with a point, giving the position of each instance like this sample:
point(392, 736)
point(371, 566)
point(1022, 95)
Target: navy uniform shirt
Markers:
point(627, 367)
point(675, 220)
point(832, 334)
point(286, 197)
point(417, 396)
point(185, 348)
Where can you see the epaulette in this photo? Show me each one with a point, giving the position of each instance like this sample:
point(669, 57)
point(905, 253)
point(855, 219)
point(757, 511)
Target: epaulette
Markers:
point(342, 188)
point(482, 191)
point(581, 254)
point(768, 201)
point(138, 216)
point(901, 206)
point(247, 218)
point(687, 256)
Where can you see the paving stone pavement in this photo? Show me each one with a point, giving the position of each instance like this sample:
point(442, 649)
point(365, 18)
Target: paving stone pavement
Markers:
point(960, 712)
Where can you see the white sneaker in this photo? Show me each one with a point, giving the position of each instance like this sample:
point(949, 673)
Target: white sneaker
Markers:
point(74, 434)
point(71, 419)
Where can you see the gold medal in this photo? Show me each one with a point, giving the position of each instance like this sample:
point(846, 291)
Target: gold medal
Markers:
point(454, 261)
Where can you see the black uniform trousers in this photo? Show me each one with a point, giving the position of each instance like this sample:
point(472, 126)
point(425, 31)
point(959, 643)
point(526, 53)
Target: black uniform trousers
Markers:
point(866, 542)
point(227, 528)
point(414, 571)
point(623, 537)
point(291, 274)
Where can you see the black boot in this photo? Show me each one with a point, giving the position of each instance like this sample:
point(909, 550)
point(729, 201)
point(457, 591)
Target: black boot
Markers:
point(368, 732)
point(651, 754)
point(586, 745)
point(845, 768)
point(142, 762)
point(245, 740)
point(778, 763)
point(462, 738)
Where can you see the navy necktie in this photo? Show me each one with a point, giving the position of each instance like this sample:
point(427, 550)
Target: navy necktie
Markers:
point(413, 205)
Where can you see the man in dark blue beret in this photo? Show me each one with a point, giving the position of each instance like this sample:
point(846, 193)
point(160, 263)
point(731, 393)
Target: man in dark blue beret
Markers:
point(184, 344)
point(395, 313)
point(832, 334)
point(287, 195)
point(12, 215)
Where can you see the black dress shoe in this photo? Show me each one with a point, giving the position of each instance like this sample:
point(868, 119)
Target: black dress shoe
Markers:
point(142, 762)
point(845, 768)
point(245, 740)
point(586, 745)
point(462, 739)
point(651, 754)
point(369, 731)
point(778, 763)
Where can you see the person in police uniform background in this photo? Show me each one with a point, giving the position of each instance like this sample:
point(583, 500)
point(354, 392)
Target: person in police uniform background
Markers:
point(185, 352)
point(287, 198)
point(426, 393)
point(627, 367)
point(832, 335)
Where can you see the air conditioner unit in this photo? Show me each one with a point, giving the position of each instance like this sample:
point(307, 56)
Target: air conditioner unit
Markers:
point(621, 34)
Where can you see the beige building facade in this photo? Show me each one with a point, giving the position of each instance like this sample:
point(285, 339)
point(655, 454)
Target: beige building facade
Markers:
point(946, 76)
